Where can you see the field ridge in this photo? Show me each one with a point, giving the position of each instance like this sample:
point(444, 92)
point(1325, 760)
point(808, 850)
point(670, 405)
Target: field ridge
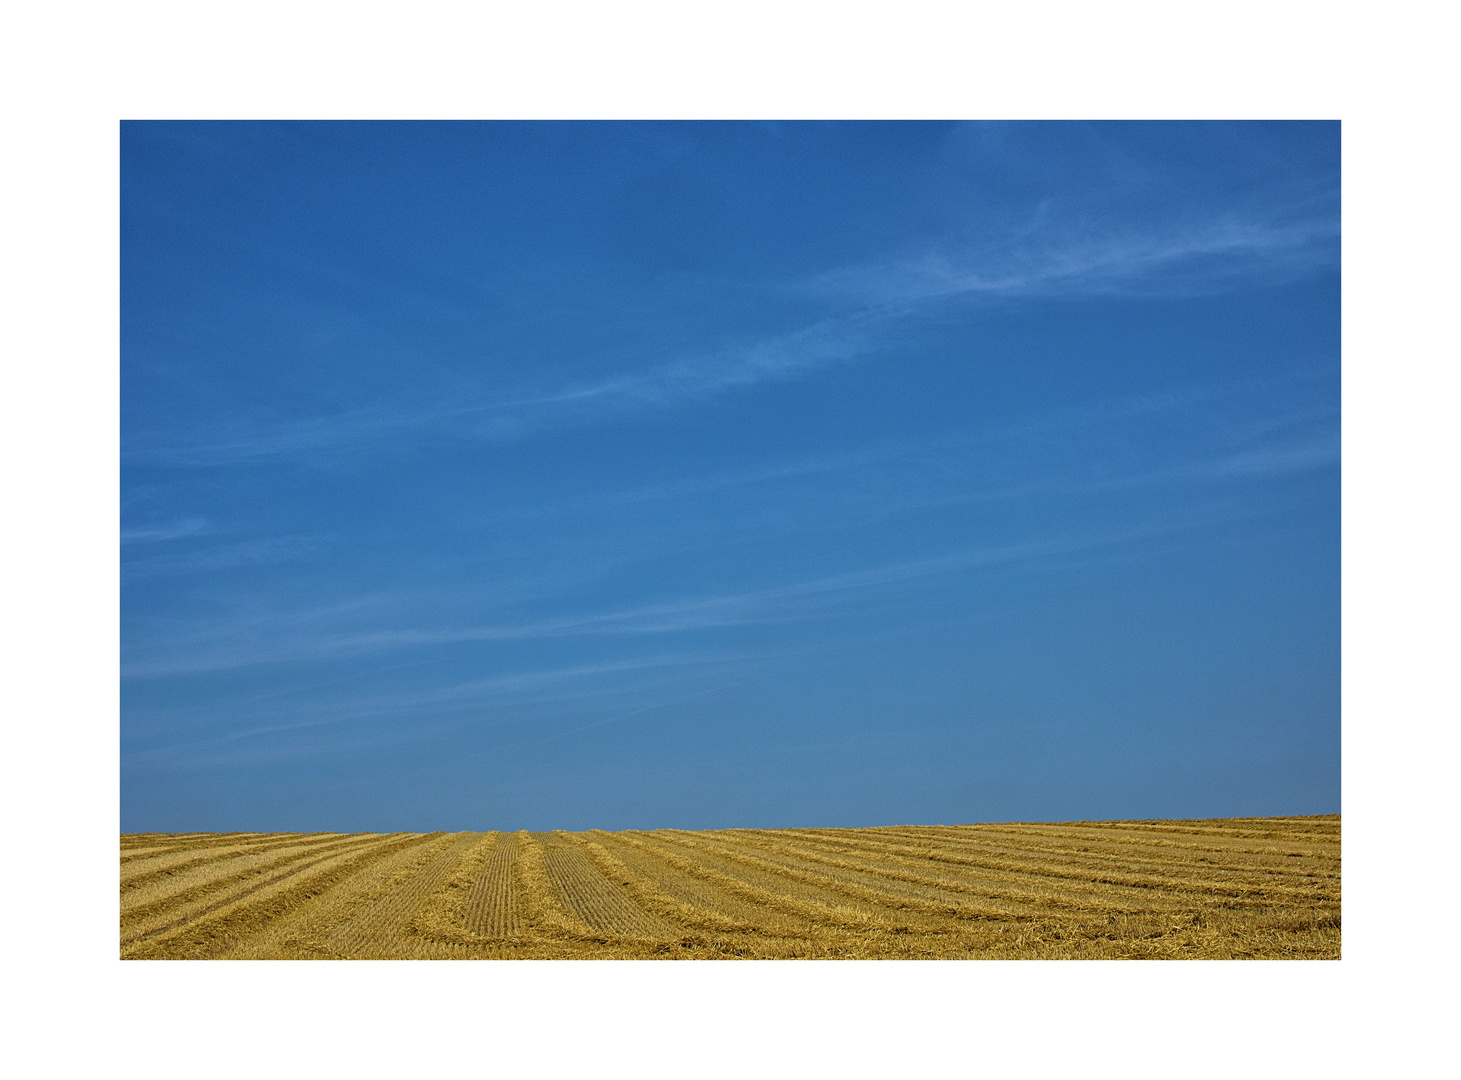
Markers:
point(1198, 889)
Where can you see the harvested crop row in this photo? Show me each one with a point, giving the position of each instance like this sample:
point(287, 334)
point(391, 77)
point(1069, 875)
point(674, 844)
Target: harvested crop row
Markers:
point(173, 865)
point(218, 926)
point(1079, 885)
point(671, 893)
point(591, 896)
point(169, 863)
point(493, 910)
point(933, 886)
point(136, 854)
point(1244, 828)
point(176, 899)
point(1249, 888)
point(1081, 849)
point(133, 841)
point(885, 899)
point(300, 933)
point(1120, 866)
point(375, 930)
point(544, 912)
point(801, 895)
point(1042, 856)
point(1149, 838)
point(1315, 831)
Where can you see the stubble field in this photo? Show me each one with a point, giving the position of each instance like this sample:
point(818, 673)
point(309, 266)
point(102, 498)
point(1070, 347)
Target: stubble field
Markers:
point(1231, 888)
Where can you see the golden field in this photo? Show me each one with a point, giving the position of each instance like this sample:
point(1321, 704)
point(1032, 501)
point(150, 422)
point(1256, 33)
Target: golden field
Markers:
point(1220, 889)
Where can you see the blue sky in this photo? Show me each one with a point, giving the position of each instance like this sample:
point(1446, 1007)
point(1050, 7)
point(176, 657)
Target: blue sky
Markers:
point(498, 476)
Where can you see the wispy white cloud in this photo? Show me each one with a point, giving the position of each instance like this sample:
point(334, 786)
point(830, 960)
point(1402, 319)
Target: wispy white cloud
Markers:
point(1280, 444)
point(418, 707)
point(262, 441)
point(1270, 458)
point(816, 465)
point(685, 379)
point(230, 556)
point(639, 711)
point(1075, 260)
point(178, 530)
point(810, 599)
point(1269, 461)
point(825, 342)
point(1289, 457)
point(1041, 260)
point(947, 455)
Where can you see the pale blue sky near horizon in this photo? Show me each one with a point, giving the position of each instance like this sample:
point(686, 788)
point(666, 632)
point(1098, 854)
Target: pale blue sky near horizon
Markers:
point(703, 475)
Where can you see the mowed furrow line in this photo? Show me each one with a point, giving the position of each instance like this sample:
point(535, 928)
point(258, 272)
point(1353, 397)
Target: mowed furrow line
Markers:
point(1153, 847)
point(1139, 860)
point(132, 840)
point(1008, 866)
point(223, 840)
point(379, 927)
point(706, 847)
point(181, 863)
point(173, 862)
point(1143, 840)
point(1102, 902)
point(961, 898)
point(1247, 828)
point(544, 913)
point(1158, 886)
point(1080, 847)
point(771, 926)
point(440, 923)
point(595, 899)
point(162, 837)
point(834, 908)
point(1104, 885)
point(1067, 893)
point(1225, 847)
point(1064, 890)
point(203, 842)
point(904, 890)
point(170, 904)
point(223, 924)
point(132, 846)
point(301, 931)
point(1281, 877)
point(1087, 859)
point(941, 888)
point(493, 910)
point(1215, 839)
point(168, 898)
point(676, 896)
point(813, 913)
point(1257, 830)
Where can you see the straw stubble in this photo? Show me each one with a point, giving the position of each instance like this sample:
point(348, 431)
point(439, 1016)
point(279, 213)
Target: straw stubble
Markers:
point(1220, 889)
